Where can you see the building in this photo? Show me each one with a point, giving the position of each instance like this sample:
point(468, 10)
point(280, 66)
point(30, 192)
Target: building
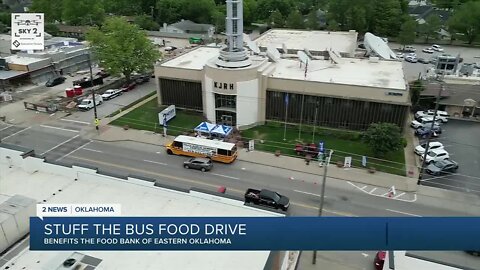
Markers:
point(21, 173)
point(431, 260)
point(237, 87)
point(72, 30)
point(189, 27)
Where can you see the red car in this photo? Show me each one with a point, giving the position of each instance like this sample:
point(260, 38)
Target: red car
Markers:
point(128, 86)
point(379, 260)
point(306, 149)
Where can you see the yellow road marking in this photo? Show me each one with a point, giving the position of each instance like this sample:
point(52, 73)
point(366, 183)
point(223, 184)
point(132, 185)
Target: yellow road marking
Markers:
point(197, 182)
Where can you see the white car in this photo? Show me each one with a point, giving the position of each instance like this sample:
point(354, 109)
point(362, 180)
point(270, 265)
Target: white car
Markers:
point(441, 115)
point(411, 59)
point(424, 121)
point(437, 48)
point(409, 49)
point(420, 149)
point(436, 155)
point(87, 103)
point(111, 93)
point(399, 55)
point(428, 50)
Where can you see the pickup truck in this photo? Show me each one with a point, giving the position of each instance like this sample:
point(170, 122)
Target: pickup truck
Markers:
point(268, 198)
point(111, 93)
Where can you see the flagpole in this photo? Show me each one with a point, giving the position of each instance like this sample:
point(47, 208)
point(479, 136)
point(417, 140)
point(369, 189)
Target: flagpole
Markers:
point(286, 113)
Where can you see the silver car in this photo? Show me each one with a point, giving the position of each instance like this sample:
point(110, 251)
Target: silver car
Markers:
point(202, 164)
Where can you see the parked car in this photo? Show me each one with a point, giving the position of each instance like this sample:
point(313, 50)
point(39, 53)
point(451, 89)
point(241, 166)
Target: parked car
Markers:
point(411, 59)
point(55, 81)
point(442, 116)
point(306, 149)
point(379, 260)
point(428, 50)
point(437, 48)
point(409, 49)
point(111, 93)
point(436, 155)
point(420, 149)
point(399, 55)
point(102, 74)
point(87, 103)
point(267, 198)
point(423, 61)
point(424, 121)
point(128, 86)
point(170, 48)
point(423, 132)
point(202, 164)
point(442, 167)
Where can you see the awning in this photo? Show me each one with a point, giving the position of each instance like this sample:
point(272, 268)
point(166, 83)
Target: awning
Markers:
point(205, 127)
point(222, 130)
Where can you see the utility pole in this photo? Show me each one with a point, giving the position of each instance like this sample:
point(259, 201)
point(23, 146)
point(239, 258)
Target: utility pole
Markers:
point(322, 196)
point(93, 94)
point(301, 117)
point(315, 122)
point(430, 135)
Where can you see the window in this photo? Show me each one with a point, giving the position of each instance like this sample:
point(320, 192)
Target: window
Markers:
point(225, 101)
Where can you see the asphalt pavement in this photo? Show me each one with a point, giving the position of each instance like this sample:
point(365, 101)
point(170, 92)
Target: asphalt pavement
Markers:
point(461, 140)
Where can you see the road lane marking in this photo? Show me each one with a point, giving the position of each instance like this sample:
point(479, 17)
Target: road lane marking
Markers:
point(226, 176)
point(364, 187)
point(371, 191)
point(16, 133)
point(399, 195)
point(56, 146)
point(75, 121)
point(403, 213)
point(155, 162)
point(384, 195)
point(8, 126)
point(93, 150)
point(64, 129)
point(73, 151)
point(197, 182)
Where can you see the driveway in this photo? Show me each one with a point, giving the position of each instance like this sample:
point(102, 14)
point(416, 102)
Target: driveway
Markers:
point(462, 142)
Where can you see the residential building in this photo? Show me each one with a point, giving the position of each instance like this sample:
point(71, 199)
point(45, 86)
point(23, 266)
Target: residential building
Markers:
point(189, 27)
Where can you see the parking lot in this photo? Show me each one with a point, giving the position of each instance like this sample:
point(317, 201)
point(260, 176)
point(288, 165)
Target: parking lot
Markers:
point(412, 70)
point(461, 141)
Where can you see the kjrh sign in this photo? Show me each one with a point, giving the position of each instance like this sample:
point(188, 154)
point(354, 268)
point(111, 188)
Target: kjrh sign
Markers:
point(27, 31)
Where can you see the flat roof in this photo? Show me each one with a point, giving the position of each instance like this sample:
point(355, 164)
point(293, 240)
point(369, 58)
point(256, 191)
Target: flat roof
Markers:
point(137, 198)
point(9, 74)
point(21, 60)
point(345, 42)
point(195, 59)
point(351, 71)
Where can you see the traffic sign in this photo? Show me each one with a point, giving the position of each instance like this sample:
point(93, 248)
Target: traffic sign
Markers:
point(321, 147)
point(97, 122)
point(27, 31)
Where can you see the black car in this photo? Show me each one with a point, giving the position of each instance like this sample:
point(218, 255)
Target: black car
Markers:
point(267, 198)
point(55, 81)
point(442, 166)
point(424, 131)
point(202, 164)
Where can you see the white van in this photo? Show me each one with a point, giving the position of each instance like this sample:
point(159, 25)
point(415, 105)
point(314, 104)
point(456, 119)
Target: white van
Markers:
point(87, 103)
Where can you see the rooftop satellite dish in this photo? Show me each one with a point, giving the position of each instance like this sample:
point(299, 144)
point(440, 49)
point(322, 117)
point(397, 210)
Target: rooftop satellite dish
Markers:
point(335, 56)
point(273, 52)
point(378, 46)
point(253, 47)
point(303, 57)
point(307, 51)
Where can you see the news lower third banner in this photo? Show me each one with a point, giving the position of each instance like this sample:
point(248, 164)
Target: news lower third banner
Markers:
point(247, 233)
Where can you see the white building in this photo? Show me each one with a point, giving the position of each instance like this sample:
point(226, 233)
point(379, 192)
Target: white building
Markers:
point(50, 183)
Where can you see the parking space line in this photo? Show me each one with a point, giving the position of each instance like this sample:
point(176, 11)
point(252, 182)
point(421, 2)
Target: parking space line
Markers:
point(384, 195)
point(371, 191)
point(399, 195)
point(64, 129)
point(403, 213)
point(226, 176)
point(73, 151)
point(16, 133)
point(75, 121)
point(8, 126)
point(93, 150)
point(56, 146)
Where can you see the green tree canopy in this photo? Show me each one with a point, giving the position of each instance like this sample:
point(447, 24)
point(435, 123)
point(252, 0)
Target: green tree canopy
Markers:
point(295, 20)
point(276, 19)
point(383, 138)
point(312, 20)
point(146, 22)
point(170, 11)
point(122, 48)
point(387, 16)
point(431, 26)
point(407, 32)
point(123, 7)
point(52, 9)
point(83, 12)
point(466, 20)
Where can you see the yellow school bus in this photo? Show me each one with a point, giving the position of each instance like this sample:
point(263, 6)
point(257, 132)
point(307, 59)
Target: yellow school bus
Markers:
point(198, 147)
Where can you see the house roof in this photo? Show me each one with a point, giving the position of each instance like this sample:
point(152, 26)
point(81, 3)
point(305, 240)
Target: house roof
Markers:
point(187, 25)
point(459, 93)
point(72, 28)
point(419, 11)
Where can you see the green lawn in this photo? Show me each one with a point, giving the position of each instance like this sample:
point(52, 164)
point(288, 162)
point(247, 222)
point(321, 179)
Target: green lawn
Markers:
point(145, 117)
point(344, 143)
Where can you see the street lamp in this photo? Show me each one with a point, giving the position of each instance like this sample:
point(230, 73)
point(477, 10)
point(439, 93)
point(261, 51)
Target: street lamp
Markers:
point(93, 94)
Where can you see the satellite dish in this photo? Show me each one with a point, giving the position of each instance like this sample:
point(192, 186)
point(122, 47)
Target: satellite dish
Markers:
point(253, 47)
point(378, 46)
point(307, 51)
point(284, 48)
point(303, 57)
point(273, 53)
point(335, 56)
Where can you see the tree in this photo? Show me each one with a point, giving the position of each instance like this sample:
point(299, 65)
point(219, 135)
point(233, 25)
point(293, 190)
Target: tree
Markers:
point(265, 8)
point(52, 29)
point(466, 20)
point(122, 7)
point(415, 89)
point(312, 20)
point(83, 12)
point(386, 18)
point(122, 48)
point(333, 25)
point(383, 138)
point(52, 9)
point(170, 11)
point(431, 26)
point(407, 32)
point(146, 22)
point(356, 19)
point(199, 11)
point(295, 20)
point(276, 19)
point(249, 11)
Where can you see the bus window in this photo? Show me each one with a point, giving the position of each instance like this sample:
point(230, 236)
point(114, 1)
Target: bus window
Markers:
point(178, 144)
point(223, 152)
